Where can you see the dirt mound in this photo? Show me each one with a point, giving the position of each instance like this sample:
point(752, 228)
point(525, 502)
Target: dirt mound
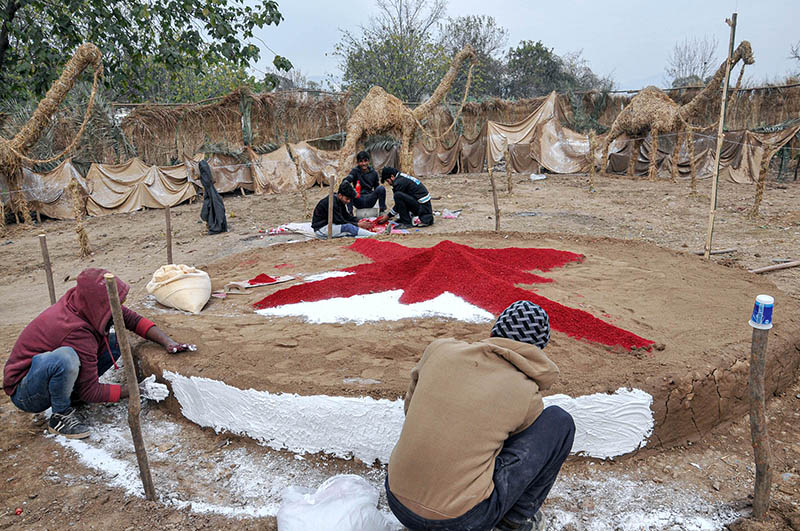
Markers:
point(696, 313)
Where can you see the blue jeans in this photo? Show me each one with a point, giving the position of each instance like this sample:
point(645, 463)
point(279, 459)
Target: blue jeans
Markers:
point(368, 200)
point(524, 473)
point(339, 231)
point(51, 379)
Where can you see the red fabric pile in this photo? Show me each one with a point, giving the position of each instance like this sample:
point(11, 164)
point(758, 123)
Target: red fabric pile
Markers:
point(487, 278)
point(261, 279)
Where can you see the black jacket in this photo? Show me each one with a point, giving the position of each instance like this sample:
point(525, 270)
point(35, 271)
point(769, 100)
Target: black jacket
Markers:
point(369, 181)
point(213, 211)
point(412, 186)
point(340, 215)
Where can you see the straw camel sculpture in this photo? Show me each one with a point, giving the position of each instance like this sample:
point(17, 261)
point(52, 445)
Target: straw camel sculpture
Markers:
point(381, 113)
point(652, 111)
point(14, 152)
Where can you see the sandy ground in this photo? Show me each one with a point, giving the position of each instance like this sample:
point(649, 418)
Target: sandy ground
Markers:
point(704, 483)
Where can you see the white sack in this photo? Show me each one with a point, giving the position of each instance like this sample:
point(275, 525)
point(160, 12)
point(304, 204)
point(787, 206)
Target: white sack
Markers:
point(180, 286)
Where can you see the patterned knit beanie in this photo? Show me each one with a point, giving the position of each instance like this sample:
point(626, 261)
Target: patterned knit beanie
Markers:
point(523, 321)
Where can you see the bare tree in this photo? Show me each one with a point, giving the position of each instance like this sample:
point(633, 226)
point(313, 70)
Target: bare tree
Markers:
point(794, 52)
point(410, 16)
point(691, 61)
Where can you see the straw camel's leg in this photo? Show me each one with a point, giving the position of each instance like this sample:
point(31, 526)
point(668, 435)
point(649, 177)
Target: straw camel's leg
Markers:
point(692, 169)
point(635, 148)
point(675, 152)
point(406, 162)
point(653, 171)
point(610, 137)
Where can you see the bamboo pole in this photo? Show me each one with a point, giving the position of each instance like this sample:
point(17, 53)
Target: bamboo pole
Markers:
point(758, 423)
point(48, 270)
point(169, 234)
point(508, 170)
point(331, 182)
point(494, 197)
point(720, 137)
point(775, 267)
point(134, 407)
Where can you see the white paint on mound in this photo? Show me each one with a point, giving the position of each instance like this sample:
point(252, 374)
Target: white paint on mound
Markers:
point(606, 425)
point(384, 306)
point(327, 274)
point(363, 427)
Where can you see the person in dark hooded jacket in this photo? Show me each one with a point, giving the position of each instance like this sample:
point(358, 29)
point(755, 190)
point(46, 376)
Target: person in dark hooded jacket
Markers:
point(61, 354)
point(412, 202)
point(213, 211)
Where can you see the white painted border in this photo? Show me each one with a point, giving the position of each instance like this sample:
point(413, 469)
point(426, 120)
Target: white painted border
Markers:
point(607, 425)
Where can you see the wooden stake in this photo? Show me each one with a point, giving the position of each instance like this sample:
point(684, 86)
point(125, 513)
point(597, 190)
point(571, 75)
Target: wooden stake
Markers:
point(331, 182)
point(758, 423)
point(134, 407)
point(496, 206)
point(169, 234)
point(508, 170)
point(48, 270)
point(720, 137)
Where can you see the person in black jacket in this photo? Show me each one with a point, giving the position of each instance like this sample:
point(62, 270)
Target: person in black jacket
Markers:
point(213, 210)
point(364, 179)
point(412, 202)
point(344, 224)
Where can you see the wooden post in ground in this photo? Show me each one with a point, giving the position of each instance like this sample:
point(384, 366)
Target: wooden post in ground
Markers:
point(48, 270)
point(134, 406)
point(494, 196)
point(758, 423)
point(331, 182)
point(720, 137)
point(168, 217)
point(508, 170)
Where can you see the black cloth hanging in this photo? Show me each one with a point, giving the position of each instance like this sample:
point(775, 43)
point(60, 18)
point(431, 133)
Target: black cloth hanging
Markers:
point(213, 211)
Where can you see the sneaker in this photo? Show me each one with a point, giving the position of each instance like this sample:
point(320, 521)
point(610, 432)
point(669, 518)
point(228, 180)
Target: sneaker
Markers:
point(535, 523)
point(416, 221)
point(68, 424)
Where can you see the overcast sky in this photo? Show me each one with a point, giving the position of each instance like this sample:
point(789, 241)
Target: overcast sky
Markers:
point(630, 40)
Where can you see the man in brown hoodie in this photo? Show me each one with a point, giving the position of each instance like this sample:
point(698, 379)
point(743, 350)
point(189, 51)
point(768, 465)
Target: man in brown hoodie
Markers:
point(477, 448)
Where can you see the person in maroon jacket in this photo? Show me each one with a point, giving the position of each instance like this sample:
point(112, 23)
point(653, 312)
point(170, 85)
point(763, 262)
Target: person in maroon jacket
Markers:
point(61, 354)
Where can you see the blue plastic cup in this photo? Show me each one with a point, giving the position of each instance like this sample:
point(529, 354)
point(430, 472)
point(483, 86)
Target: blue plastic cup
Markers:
point(762, 312)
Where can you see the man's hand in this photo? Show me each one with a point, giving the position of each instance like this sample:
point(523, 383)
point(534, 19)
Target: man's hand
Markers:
point(380, 220)
point(174, 347)
point(364, 224)
point(150, 389)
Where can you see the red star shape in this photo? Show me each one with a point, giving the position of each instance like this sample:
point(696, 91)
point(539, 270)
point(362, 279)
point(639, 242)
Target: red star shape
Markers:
point(487, 278)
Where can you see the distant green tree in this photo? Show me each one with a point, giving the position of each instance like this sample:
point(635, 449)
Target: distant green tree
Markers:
point(533, 70)
point(488, 39)
point(396, 51)
point(38, 36)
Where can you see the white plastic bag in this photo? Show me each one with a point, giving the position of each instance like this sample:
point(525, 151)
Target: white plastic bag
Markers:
point(181, 286)
point(342, 503)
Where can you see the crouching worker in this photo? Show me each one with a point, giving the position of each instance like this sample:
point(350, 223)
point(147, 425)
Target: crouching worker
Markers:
point(477, 448)
point(412, 202)
point(61, 354)
point(344, 224)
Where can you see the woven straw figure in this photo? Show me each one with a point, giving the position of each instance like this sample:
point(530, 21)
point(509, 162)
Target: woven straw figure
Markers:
point(652, 111)
point(381, 113)
point(13, 152)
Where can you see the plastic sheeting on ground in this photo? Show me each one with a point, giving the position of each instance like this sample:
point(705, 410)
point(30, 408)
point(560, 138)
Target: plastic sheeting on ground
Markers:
point(132, 185)
point(49, 193)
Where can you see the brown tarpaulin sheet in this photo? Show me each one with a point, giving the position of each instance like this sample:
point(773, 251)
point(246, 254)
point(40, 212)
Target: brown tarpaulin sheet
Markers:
point(440, 161)
point(472, 156)
point(49, 193)
point(498, 135)
point(317, 166)
point(132, 185)
point(229, 173)
point(740, 159)
point(273, 172)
